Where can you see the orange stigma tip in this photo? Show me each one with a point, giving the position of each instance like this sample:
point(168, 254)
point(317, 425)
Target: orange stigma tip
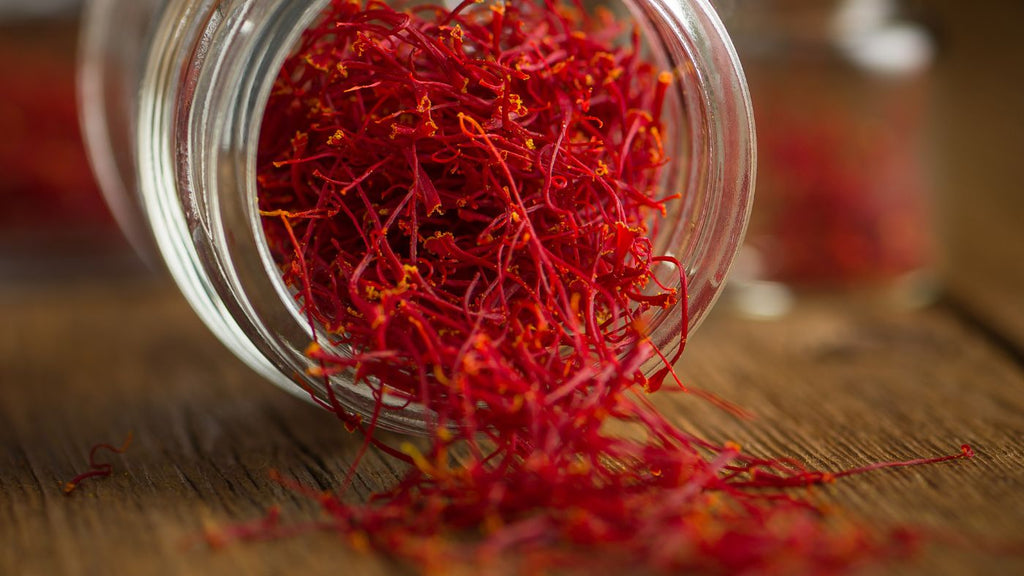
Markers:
point(967, 451)
point(215, 539)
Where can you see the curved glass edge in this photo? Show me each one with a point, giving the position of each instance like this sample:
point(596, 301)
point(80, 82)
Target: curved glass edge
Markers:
point(201, 104)
point(723, 145)
point(205, 220)
point(109, 63)
point(173, 222)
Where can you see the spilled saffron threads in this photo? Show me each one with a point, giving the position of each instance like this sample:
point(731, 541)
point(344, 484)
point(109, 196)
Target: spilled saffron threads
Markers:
point(97, 469)
point(465, 200)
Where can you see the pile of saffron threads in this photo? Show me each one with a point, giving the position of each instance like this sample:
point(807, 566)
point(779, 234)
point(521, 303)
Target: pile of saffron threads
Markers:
point(462, 199)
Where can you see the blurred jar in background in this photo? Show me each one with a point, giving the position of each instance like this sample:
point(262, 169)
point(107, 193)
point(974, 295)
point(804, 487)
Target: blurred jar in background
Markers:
point(840, 91)
point(53, 219)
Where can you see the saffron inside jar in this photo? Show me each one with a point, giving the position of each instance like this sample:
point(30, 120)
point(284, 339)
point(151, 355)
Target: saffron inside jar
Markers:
point(461, 198)
point(463, 202)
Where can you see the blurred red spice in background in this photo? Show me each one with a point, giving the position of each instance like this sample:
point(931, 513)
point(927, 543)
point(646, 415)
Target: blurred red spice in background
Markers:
point(53, 218)
point(46, 176)
point(841, 91)
point(843, 190)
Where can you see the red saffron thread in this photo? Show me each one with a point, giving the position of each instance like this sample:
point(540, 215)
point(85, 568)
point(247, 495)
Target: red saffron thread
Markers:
point(463, 202)
point(97, 469)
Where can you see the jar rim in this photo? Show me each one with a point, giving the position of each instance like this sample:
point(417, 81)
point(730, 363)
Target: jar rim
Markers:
point(197, 136)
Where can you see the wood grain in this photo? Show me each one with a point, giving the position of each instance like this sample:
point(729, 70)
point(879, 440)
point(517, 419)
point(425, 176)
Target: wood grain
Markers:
point(92, 363)
point(837, 387)
point(833, 385)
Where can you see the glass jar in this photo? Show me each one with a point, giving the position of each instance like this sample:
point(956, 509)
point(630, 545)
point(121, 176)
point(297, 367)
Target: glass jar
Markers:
point(173, 92)
point(841, 95)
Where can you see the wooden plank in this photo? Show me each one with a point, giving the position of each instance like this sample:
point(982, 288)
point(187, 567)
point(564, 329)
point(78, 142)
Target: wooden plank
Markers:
point(91, 364)
point(85, 363)
point(838, 386)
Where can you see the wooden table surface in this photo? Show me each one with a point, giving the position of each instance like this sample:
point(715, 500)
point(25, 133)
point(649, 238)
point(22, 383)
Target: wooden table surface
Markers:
point(835, 384)
point(838, 383)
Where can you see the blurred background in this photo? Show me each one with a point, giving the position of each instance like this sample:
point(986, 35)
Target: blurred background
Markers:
point(891, 135)
point(888, 132)
point(54, 223)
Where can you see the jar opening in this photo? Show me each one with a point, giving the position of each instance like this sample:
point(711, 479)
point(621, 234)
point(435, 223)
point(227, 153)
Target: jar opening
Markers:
point(675, 231)
point(204, 95)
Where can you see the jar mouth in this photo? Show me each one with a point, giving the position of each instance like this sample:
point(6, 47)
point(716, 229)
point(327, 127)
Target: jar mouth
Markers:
point(718, 183)
point(198, 138)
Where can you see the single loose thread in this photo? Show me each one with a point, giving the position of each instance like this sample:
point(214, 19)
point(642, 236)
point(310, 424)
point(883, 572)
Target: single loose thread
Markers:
point(97, 469)
point(463, 203)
